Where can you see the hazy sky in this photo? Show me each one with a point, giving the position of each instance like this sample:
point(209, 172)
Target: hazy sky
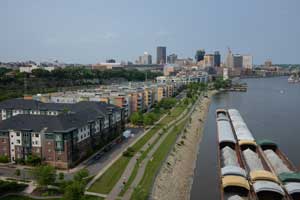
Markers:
point(89, 31)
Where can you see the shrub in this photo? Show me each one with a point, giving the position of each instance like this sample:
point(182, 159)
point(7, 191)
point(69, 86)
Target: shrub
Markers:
point(4, 159)
point(61, 176)
point(33, 160)
point(129, 152)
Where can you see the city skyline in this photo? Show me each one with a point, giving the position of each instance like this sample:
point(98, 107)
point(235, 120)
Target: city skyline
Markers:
point(87, 33)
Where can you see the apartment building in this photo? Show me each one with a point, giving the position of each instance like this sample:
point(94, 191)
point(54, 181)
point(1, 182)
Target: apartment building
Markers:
point(61, 138)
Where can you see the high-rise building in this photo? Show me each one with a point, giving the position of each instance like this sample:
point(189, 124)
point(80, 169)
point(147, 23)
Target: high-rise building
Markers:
point(247, 61)
point(145, 59)
point(199, 55)
point(234, 60)
point(237, 61)
point(217, 59)
point(161, 55)
point(209, 60)
point(172, 58)
point(229, 59)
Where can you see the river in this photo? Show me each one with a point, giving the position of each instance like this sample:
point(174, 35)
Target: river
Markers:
point(271, 109)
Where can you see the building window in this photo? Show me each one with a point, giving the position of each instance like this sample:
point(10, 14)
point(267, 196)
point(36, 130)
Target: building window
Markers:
point(36, 135)
point(3, 140)
point(18, 141)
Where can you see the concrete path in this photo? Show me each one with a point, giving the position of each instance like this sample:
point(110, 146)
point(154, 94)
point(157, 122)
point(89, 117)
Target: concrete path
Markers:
point(143, 165)
point(96, 194)
point(129, 169)
point(119, 155)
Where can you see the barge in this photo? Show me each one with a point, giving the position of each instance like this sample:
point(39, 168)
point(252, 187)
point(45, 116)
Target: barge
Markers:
point(282, 167)
point(233, 182)
point(265, 183)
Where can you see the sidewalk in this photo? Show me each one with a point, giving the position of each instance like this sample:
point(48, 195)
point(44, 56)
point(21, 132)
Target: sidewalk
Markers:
point(142, 168)
point(119, 155)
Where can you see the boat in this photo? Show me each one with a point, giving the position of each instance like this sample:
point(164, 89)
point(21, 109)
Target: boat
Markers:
point(265, 184)
point(294, 78)
point(233, 181)
point(287, 173)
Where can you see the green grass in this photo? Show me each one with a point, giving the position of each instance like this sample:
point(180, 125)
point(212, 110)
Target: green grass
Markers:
point(16, 197)
point(107, 181)
point(143, 189)
point(174, 113)
point(136, 167)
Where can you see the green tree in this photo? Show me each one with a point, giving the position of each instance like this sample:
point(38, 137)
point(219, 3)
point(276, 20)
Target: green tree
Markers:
point(74, 191)
point(81, 174)
point(136, 118)
point(148, 119)
point(61, 176)
point(44, 175)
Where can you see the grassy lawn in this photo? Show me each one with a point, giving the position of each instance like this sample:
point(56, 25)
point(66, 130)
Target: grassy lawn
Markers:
point(136, 167)
point(107, 181)
point(142, 191)
point(15, 197)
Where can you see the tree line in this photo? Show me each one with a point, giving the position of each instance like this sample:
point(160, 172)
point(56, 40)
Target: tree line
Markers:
point(15, 84)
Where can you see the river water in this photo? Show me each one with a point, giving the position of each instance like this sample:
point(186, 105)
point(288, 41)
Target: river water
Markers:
point(271, 109)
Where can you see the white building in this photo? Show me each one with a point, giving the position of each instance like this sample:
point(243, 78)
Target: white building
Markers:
point(29, 68)
point(247, 61)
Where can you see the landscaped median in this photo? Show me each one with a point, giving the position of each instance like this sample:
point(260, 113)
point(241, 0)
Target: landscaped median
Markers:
point(17, 197)
point(143, 189)
point(108, 180)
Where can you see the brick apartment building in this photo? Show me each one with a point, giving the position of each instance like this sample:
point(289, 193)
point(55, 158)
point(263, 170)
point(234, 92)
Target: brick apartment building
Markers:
point(60, 134)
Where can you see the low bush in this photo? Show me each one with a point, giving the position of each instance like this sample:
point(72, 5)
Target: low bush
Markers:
point(4, 159)
point(7, 186)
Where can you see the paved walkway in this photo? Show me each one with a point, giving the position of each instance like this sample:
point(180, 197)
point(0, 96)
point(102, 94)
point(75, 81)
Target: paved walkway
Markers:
point(101, 172)
point(129, 169)
point(143, 165)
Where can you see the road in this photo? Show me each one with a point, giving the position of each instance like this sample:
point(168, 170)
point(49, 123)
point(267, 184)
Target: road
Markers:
point(93, 164)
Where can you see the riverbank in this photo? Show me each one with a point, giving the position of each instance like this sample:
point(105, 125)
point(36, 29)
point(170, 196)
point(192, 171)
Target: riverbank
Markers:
point(181, 163)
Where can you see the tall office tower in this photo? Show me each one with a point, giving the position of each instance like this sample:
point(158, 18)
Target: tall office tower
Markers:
point(237, 61)
point(217, 59)
point(199, 55)
point(229, 59)
point(247, 61)
point(209, 60)
point(146, 59)
point(172, 58)
point(161, 55)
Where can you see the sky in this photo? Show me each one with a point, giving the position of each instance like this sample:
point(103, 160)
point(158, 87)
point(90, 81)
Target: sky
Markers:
point(91, 31)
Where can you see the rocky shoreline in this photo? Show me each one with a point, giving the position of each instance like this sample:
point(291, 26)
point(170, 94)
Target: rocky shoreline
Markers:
point(175, 178)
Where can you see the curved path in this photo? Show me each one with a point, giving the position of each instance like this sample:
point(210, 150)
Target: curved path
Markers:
point(142, 168)
point(129, 169)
